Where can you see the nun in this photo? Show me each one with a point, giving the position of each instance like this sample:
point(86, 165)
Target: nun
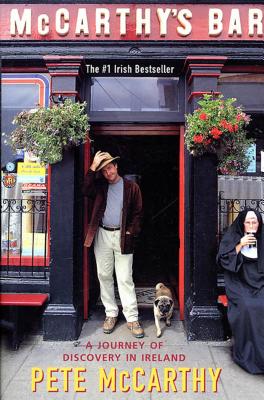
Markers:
point(241, 254)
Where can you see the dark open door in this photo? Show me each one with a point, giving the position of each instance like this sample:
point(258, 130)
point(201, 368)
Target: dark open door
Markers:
point(151, 152)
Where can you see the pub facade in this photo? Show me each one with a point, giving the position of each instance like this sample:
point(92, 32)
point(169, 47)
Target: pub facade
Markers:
point(140, 67)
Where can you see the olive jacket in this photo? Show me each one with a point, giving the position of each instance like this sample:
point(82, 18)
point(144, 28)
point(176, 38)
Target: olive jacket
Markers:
point(96, 189)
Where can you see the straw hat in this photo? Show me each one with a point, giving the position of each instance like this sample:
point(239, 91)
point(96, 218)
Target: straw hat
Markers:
point(106, 160)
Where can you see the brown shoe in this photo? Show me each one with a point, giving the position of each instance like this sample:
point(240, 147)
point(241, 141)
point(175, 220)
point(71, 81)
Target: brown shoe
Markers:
point(136, 330)
point(109, 324)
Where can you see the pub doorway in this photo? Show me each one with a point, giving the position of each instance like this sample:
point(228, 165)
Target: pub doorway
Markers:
point(149, 155)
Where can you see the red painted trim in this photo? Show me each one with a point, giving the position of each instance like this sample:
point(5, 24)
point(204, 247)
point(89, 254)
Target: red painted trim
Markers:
point(26, 261)
point(22, 81)
point(136, 130)
point(60, 65)
point(23, 299)
point(189, 59)
point(202, 74)
point(49, 194)
point(24, 69)
point(86, 275)
point(206, 62)
point(181, 223)
point(216, 58)
point(62, 58)
point(48, 217)
point(208, 65)
point(63, 73)
point(199, 94)
point(139, 127)
point(254, 69)
point(66, 93)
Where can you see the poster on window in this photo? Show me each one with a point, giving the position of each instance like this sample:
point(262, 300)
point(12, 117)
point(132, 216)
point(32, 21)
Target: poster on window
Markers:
point(30, 172)
point(251, 153)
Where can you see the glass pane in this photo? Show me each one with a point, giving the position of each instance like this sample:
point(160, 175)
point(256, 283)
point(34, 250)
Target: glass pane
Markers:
point(18, 96)
point(135, 94)
point(247, 88)
point(23, 198)
point(15, 98)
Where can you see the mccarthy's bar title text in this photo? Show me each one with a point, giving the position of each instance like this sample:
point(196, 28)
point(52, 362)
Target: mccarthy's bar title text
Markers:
point(131, 22)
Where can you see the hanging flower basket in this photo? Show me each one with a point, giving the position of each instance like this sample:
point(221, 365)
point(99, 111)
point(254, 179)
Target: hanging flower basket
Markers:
point(219, 127)
point(46, 132)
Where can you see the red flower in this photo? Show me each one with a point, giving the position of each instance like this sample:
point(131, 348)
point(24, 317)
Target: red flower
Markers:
point(216, 133)
point(230, 128)
point(238, 117)
point(224, 123)
point(198, 139)
point(203, 116)
point(207, 141)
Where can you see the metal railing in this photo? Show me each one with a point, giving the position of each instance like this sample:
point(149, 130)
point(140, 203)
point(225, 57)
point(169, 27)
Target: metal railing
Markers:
point(24, 237)
point(228, 210)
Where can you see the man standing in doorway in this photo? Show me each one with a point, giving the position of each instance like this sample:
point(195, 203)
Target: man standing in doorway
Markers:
point(114, 222)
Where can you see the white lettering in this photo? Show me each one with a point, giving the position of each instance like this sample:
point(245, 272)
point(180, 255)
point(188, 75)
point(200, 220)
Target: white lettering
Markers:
point(186, 27)
point(122, 13)
point(62, 21)
point(215, 21)
point(102, 16)
point(20, 25)
point(234, 23)
point(163, 18)
point(82, 23)
point(43, 24)
point(255, 17)
point(143, 21)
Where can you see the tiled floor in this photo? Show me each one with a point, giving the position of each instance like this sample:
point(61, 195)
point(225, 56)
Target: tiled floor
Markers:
point(145, 297)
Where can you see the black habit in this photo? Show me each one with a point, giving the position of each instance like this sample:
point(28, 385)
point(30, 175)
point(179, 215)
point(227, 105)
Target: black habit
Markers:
point(244, 282)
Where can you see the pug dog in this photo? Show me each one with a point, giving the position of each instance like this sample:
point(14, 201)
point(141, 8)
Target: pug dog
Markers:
point(163, 306)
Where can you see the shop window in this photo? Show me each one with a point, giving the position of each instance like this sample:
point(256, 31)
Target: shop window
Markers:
point(247, 190)
point(247, 88)
point(134, 94)
point(24, 194)
point(236, 193)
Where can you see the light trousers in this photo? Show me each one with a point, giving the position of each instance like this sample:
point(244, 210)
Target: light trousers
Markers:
point(109, 258)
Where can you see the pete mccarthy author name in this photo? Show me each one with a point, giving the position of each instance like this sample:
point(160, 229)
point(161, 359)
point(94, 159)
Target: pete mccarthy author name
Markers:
point(138, 380)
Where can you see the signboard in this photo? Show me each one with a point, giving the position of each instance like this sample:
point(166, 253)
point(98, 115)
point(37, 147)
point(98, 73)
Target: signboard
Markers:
point(9, 180)
point(30, 172)
point(174, 22)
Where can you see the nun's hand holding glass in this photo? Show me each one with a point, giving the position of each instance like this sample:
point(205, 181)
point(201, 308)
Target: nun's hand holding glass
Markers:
point(248, 240)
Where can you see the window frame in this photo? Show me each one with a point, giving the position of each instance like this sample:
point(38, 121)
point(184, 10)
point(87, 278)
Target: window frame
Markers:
point(44, 95)
point(142, 116)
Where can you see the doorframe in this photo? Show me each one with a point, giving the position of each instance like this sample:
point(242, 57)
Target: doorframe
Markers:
point(181, 222)
point(141, 130)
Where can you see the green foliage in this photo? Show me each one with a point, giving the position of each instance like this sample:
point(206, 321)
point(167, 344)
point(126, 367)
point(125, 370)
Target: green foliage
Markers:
point(218, 126)
point(46, 132)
